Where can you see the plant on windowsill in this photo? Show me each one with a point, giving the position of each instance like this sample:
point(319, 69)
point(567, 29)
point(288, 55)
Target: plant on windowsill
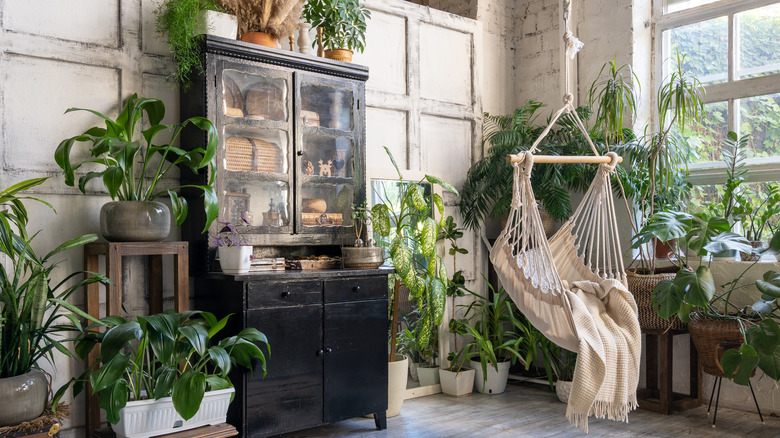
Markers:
point(29, 308)
point(716, 324)
point(264, 22)
point(235, 257)
point(363, 254)
point(163, 363)
point(759, 216)
point(183, 22)
point(136, 215)
point(342, 23)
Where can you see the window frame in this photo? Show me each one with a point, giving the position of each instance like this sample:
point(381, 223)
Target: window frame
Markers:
point(711, 172)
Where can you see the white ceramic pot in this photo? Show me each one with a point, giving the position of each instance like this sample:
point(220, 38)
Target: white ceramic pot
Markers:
point(396, 385)
point(562, 390)
point(428, 375)
point(457, 384)
point(145, 418)
point(235, 259)
point(496, 381)
point(218, 24)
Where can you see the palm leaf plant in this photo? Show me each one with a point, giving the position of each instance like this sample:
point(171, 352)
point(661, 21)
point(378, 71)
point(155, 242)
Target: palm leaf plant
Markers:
point(30, 304)
point(488, 188)
point(405, 223)
point(120, 152)
point(614, 93)
point(165, 355)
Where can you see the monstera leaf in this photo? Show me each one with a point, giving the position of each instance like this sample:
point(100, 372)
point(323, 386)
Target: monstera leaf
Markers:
point(703, 231)
point(770, 285)
point(739, 364)
point(728, 241)
point(764, 337)
point(667, 298)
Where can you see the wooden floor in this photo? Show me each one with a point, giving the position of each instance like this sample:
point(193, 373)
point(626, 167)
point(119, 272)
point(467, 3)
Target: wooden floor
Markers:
point(528, 410)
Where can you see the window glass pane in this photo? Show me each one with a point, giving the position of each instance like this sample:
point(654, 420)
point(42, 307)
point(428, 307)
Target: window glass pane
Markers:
point(753, 209)
point(679, 5)
point(759, 42)
point(705, 46)
point(760, 117)
point(704, 140)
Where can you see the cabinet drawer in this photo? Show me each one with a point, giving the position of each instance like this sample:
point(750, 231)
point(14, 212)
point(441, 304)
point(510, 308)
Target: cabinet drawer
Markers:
point(357, 288)
point(283, 293)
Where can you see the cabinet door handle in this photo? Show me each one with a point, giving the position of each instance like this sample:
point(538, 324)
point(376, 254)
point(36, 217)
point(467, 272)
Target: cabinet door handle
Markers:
point(286, 294)
point(356, 288)
point(300, 153)
point(320, 352)
point(328, 350)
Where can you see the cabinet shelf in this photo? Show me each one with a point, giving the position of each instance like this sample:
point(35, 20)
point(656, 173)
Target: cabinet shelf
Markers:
point(246, 175)
point(244, 122)
point(326, 180)
point(325, 132)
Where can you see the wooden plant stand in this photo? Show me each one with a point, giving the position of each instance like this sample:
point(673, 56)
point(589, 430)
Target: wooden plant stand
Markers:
point(659, 396)
point(114, 252)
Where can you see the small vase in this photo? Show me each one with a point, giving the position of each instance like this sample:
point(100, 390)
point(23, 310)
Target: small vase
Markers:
point(135, 221)
point(261, 38)
point(235, 259)
point(344, 55)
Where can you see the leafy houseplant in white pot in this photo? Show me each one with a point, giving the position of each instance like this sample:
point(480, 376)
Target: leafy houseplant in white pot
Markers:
point(494, 345)
point(29, 308)
point(136, 215)
point(342, 23)
point(234, 256)
point(163, 373)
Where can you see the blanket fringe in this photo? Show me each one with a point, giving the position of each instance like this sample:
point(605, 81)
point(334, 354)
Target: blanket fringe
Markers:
point(603, 409)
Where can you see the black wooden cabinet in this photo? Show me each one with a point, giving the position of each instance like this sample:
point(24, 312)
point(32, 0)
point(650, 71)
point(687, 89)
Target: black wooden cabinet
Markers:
point(328, 336)
point(291, 154)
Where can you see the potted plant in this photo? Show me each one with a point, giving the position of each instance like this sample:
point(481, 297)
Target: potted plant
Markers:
point(716, 324)
point(29, 308)
point(234, 256)
point(163, 373)
point(342, 23)
point(494, 344)
point(487, 191)
point(264, 22)
point(127, 162)
point(563, 363)
point(364, 254)
point(183, 22)
point(760, 208)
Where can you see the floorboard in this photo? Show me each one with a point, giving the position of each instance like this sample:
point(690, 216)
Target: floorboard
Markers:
point(530, 410)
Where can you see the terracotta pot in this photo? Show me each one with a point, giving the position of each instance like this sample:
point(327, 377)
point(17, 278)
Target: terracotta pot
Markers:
point(22, 398)
point(664, 249)
point(344, 55)
point(261, 38)
point(135, 221)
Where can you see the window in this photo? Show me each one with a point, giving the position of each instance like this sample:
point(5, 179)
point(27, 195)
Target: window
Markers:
point(733, 46)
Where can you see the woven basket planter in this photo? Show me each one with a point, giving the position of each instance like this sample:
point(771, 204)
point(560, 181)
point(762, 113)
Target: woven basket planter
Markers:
point(712, 337)
point(641, 286)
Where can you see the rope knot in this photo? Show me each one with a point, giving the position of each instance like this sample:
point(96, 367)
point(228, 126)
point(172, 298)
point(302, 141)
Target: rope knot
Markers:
point(568, 99)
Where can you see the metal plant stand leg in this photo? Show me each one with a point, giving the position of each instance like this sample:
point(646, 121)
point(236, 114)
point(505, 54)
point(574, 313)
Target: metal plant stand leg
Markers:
point(756, 402)
point(712, 394)
point(717, 399)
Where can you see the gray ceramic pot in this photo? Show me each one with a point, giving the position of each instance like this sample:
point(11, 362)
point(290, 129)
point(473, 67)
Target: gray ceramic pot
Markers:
point(22, 398)
point(135, 221)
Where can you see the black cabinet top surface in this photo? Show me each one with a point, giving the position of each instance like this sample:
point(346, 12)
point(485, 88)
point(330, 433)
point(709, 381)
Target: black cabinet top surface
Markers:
point(284, 58)
point(302, 274)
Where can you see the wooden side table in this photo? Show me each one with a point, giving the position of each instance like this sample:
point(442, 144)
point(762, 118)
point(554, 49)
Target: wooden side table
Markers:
point(659, 396)
point(114, 253)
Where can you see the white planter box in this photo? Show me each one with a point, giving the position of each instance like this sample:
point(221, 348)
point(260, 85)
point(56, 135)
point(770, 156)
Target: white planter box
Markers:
point(235, 259)
point(496, 381)
point(457, 384)
point(144, 418)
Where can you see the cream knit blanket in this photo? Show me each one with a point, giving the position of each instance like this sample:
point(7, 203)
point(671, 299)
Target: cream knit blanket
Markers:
point(607, 369)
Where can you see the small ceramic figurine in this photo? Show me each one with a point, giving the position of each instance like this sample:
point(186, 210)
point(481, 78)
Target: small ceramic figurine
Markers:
point(309, 170)
point(325, 168)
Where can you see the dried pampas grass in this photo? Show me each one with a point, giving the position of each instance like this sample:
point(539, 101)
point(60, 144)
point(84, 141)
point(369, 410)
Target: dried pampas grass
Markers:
point(276, 17)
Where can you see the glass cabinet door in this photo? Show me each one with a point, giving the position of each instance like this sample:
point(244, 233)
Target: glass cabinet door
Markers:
point(326, 161)
point(256, 154)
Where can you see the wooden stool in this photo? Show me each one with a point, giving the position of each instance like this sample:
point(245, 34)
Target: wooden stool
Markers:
point(115, 253)
point(217, 431)
point(660, 397)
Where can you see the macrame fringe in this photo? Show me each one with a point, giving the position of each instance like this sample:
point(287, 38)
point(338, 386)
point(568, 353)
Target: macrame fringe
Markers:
point(602, 409)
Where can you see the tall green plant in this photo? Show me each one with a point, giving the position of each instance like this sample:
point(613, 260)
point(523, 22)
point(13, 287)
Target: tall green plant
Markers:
point(117, 148)
point(29, 303)
point(165, 355)
point(488, 188)
point(612, 96)
point(343, 22)
point(412, 237)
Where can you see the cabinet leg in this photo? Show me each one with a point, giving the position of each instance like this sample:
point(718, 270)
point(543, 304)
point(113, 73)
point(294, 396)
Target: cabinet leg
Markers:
point(380, 418)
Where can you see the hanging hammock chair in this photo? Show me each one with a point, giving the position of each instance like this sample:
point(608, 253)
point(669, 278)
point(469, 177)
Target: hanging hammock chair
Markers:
point(572, 287)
